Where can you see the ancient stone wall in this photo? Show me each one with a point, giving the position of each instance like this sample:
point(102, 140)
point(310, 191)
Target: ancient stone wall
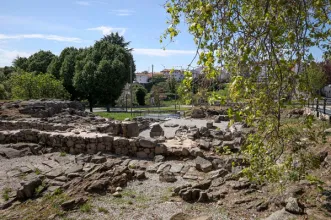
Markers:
point(92, 143)
point(43, 126)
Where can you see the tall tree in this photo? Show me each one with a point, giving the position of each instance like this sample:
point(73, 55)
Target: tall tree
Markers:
point(113, 70)
point(263, 44)
point(115, 38)
point(111, 73)
point(20, 62)
point(39, 61)
point(54, 67)
point(67, 73)
point(110, 76)
point(57, 62)
point(85, 81)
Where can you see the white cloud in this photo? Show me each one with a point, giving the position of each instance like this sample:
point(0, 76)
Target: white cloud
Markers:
point(161, 52)
point(7, 56)
point(122, 12)
point(41, 36)
point(107, 30)
point(91, 2)
point(83, 3)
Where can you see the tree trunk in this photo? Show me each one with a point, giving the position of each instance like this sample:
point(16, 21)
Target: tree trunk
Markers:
point(91, 105)
point(108, 108)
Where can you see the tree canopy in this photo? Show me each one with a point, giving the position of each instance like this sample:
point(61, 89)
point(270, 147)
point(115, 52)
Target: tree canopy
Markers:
point(111, 73)
point(67, 72)
point(116, 39)
point(97, 73)
point(264, 45)
point(32, 86)
point(21, 62)
point(37, 62)
point(85, 81)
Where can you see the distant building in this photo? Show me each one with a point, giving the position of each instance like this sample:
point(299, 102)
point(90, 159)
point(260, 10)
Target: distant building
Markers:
point(326, 91)
point(145, 77)
point(197, 72)
point(157, 74)
point(142, 78)
point(177, 74)
point(223, 76)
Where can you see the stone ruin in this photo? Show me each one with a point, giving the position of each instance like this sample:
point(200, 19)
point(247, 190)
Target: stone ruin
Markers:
point(52, 145)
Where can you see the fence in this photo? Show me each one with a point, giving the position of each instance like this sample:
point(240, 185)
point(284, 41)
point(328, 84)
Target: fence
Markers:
point(320, 105)
point(149, 112)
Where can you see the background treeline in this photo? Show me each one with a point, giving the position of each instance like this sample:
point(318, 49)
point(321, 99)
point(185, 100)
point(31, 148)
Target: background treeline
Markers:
point(97, 73)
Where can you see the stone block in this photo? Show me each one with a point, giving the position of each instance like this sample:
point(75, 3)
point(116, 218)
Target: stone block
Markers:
point(160, 149)
point(209, 125)
point(156, 130)
point(130, 129)
point(203, 164)
point(142, 155)
point(198, 113)
point(147, 142)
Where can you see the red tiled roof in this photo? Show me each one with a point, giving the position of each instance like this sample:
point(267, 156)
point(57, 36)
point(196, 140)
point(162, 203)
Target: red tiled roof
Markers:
point(141, 74)
point(154, 74)
point(168, 70)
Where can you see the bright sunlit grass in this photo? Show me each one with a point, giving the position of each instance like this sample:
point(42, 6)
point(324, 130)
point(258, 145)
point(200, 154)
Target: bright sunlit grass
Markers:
point(117, 116)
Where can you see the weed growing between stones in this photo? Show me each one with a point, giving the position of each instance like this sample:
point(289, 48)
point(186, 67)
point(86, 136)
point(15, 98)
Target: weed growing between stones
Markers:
point(5, 193)
point(103, 210)
point(87, 207)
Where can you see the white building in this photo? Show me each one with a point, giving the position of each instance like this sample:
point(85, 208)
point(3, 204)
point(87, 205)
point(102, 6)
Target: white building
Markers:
point(197, 71)
point(223, 76)
point(326, 91)
point(142, 78)
point(177, 74)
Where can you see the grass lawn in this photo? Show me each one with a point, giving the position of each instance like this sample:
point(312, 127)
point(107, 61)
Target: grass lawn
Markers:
point(117, 116)
point(170, 108)
point(123, 115)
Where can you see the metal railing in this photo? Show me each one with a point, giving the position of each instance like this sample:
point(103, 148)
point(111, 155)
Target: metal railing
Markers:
point(320, 105)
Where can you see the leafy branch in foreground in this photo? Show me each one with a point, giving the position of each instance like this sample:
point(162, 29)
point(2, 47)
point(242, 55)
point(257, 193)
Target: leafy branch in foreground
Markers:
point(264, 45)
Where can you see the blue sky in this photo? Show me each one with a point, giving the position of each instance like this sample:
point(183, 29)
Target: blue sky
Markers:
point(29, 26)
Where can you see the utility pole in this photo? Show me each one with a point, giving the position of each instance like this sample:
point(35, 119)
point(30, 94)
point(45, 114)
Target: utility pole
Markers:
point(126, 102)
point(152, 70)
point(131, 84)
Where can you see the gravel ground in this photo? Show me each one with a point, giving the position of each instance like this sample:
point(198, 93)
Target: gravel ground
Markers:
point(169, 132)
point(147, 200)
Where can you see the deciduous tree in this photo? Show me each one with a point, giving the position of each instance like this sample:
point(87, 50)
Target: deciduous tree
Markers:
point(263, 44)
point(20, 62)
point(39, 61)
point(32, 86)
point(67, 73)
point(85, 81)
point(116, 39)
point(54, 67)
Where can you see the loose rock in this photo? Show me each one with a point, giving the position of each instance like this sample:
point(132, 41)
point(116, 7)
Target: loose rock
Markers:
point(203, 164)
point(293, 206)
point(167, 177)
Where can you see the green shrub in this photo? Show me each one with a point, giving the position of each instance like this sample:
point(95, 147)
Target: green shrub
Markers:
point(31, 86)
